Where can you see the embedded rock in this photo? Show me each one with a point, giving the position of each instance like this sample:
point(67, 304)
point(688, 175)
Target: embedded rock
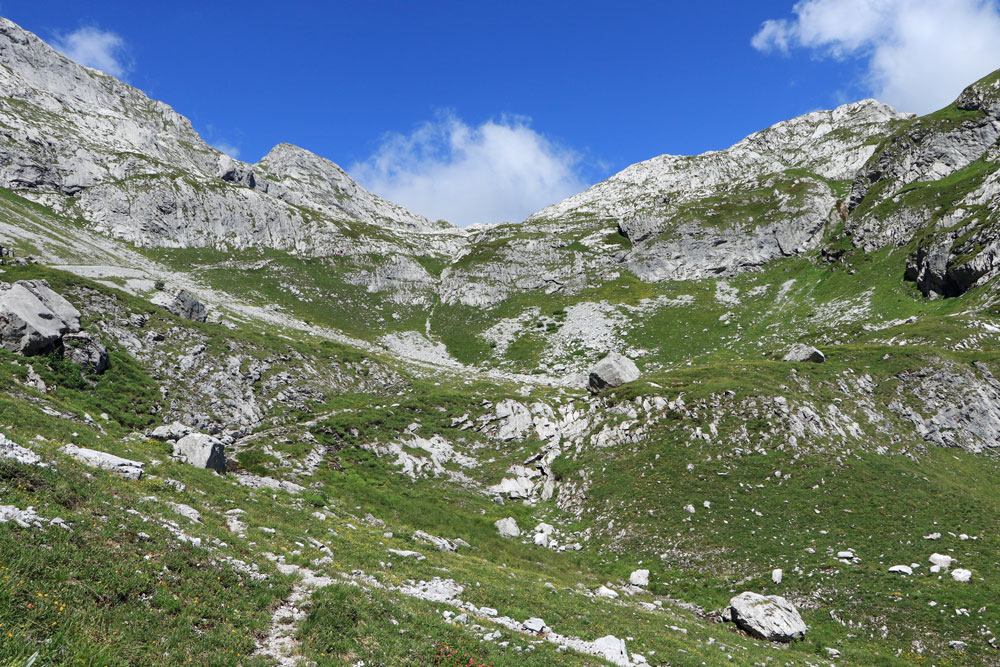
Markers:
point(116, 464)
point(33, 318)
point(12, 451)
point(535, 625)
point(87, 352)
point(613, 650)
point(203, 451)
point(769, 617)
point(613, 370)
point(171, 432)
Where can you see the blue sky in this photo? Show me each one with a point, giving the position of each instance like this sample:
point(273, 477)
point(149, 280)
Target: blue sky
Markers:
point(486, 111)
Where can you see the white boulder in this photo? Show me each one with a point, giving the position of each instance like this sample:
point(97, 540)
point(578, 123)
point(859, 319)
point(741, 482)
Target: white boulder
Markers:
point(961, 574)
point(171, 432)
point(901, 569)
point(613, 370)
point(507, 527)
point(800, 352)
point(769, 617)
point(639, 578)
point(605, 592)
point(203, 451)
point(535, 625)
point(942, 561)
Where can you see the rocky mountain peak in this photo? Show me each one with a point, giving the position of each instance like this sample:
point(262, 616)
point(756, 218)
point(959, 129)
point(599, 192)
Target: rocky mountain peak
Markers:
point(306, 179)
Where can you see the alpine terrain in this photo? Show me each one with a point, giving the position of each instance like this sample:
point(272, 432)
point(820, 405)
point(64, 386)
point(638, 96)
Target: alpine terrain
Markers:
point(738, 407)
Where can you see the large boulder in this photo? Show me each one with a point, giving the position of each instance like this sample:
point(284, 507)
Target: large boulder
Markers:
point(800, 352)
point(507, 527)
point(769, 617)
point(203, 451)
point(613, 370)
point(86, 352)
point(33, 318)
point(182, 304)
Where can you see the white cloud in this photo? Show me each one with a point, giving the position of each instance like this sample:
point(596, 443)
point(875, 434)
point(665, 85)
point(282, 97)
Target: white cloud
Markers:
point(227, 148)
point(502, 170)
point(919, 53)
point(93, 47)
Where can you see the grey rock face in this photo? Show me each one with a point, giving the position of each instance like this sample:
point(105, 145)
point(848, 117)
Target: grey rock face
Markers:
point(116, 464)
point(769, 617)
point(800, 352)
point(958, 408)
point(183, 304)
point(86, 352)
point(614, 370)
point(71, 127)
point(203, 451)
point(33, 318)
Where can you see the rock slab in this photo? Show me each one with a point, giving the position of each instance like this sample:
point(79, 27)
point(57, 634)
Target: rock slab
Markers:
point(116, 464)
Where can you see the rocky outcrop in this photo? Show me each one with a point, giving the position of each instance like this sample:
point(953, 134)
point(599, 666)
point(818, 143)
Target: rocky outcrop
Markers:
point(202, 451)
point(935, 182)
point(171, 432)
point(957, 407)
point(84, 350)
point(614, 370)
point(182, 304)
point(33, 318)
point(769, 617)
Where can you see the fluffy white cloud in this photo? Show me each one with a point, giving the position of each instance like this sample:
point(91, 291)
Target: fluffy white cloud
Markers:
point(227, 148)
point(502, 170)
point(919, 53)
point(93, 47)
